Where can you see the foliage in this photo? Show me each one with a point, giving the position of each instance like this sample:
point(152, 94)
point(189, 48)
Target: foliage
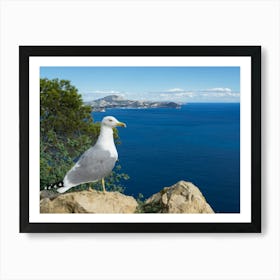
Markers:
point(151, 207)
point(140, 200)
point(66, 131)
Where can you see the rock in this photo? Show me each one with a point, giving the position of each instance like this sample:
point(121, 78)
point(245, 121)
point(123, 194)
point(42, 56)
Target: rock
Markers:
point(183, 197)
point(88, 202)
point(48, 194)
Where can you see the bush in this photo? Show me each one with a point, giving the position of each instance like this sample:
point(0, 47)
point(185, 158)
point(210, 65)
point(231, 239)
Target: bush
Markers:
point(66, 131)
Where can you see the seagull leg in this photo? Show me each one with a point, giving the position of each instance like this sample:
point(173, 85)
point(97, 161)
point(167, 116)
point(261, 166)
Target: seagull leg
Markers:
point(103, 185)
point(90, 188)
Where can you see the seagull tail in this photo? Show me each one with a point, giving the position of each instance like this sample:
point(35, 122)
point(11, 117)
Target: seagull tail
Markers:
point(59, 186)
point(63, 189)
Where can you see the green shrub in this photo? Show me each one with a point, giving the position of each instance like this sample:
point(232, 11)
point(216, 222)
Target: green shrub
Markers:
point(67, 130)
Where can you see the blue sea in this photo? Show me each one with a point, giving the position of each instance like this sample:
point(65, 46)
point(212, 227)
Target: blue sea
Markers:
point(199, 143)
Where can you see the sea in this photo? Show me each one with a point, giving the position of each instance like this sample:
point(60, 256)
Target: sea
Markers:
point(199, 143)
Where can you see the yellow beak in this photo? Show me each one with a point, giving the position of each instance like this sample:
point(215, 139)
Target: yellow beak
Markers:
point(121, 124)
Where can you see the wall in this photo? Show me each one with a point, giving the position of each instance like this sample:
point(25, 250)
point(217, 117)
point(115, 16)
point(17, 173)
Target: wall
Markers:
point(139, 256)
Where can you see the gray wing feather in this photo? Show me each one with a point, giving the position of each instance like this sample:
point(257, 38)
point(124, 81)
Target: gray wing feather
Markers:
point(93, 165)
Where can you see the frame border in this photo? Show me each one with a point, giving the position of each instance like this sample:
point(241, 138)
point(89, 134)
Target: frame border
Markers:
point(253, 51)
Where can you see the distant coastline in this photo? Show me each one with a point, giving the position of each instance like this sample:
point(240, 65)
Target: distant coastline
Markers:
point(118, 102)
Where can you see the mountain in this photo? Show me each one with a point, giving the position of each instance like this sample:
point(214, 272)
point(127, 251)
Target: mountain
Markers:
point(117, 101)
point(112, 98)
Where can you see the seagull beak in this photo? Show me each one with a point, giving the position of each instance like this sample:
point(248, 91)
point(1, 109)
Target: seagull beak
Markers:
point(121, 124)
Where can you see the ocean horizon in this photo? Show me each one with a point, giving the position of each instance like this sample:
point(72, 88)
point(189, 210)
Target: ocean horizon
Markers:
point(199, 143)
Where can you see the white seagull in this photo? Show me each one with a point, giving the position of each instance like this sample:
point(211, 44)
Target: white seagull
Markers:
point(95, 163)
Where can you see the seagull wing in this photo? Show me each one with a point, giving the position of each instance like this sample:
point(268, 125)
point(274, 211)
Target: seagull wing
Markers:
point(93, 165)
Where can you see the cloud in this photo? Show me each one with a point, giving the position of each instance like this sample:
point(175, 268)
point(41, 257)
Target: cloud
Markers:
point(176, 94)
point(108, 92)
point(211, 94)
point(175, 90)
point(219, 90)
point(92, 95)
point(179, 95)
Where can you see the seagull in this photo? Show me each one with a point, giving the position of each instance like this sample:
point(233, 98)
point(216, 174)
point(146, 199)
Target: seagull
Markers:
point(95, 163)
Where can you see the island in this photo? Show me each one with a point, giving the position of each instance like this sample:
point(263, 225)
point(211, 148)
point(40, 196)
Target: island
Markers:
point(117, 101)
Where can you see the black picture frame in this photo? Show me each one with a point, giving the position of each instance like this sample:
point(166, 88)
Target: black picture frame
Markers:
point(254, 52)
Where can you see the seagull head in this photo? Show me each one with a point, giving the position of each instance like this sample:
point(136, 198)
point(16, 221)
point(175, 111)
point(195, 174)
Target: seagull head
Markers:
point(112, 122)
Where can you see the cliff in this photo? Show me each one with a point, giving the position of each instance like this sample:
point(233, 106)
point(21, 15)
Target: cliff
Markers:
point(183, 197)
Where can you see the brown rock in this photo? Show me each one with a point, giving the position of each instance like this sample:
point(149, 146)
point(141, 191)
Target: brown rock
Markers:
point(183, 197)
point(89, 202)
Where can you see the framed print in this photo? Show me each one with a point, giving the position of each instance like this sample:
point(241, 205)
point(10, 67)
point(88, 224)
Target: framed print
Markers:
point(140, 138)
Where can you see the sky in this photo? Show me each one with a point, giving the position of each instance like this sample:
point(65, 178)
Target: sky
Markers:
point(177, 84)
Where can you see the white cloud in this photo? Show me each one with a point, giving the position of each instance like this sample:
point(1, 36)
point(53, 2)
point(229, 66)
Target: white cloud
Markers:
point(175, 90)
point(212, 94)
point(184, 94)
point(179, 95)
point(218, 93)
point(108, 92)
point(218, 90)
point(234, 94)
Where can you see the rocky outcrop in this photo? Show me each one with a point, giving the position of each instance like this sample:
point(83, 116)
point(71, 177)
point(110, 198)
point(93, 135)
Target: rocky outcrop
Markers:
point(88, 202)
point(183, 197)
point(116, 101)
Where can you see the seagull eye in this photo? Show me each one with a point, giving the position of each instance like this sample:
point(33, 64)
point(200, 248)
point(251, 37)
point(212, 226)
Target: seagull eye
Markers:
point(110, 120)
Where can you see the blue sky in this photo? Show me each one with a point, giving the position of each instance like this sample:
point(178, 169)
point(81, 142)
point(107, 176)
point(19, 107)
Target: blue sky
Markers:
point(178, 84)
